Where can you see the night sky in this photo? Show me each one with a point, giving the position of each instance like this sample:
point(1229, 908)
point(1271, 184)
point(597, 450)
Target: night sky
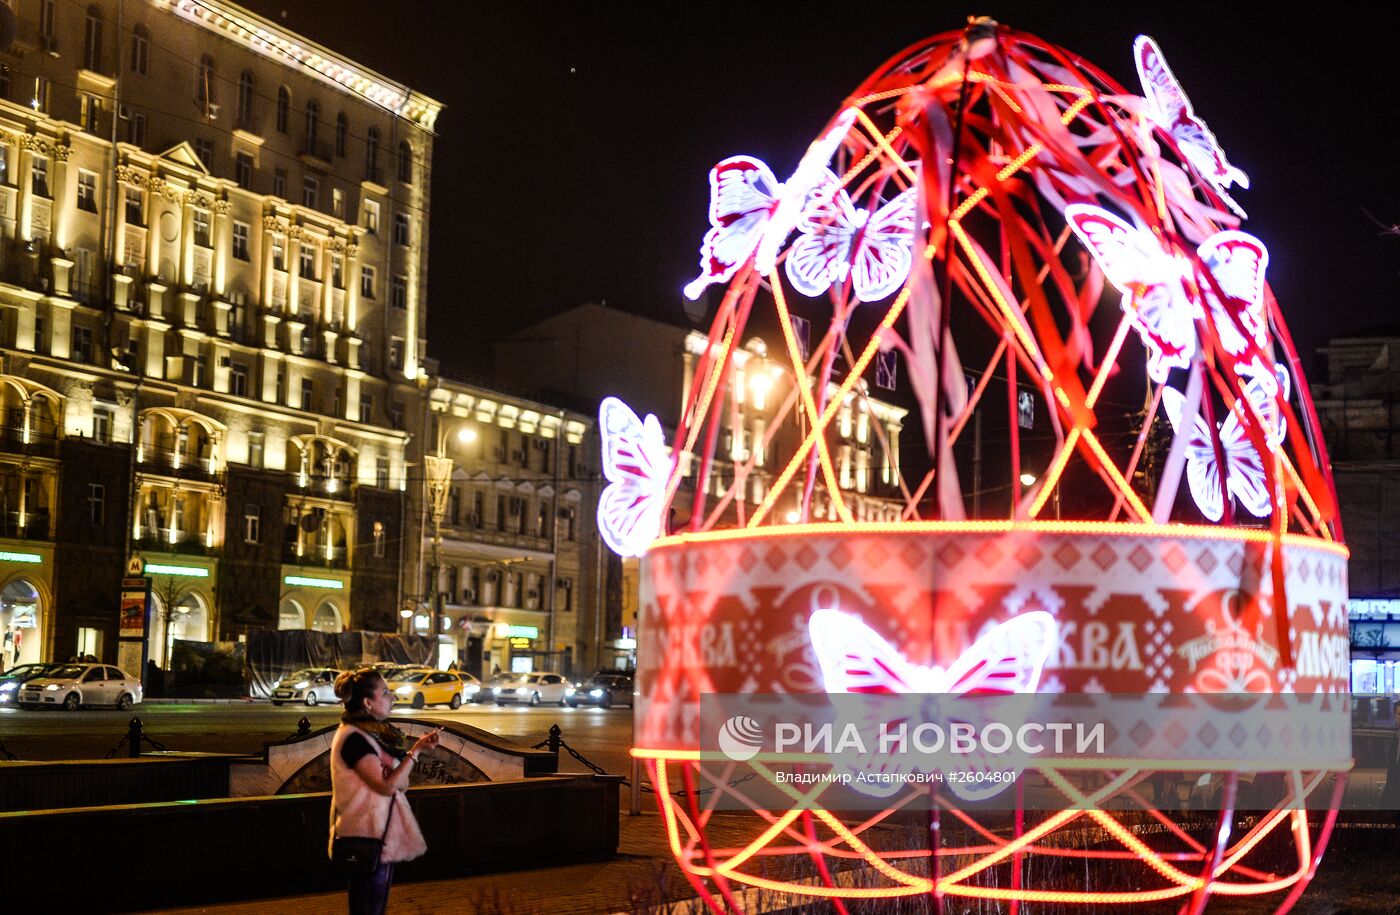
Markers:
point(571, 158)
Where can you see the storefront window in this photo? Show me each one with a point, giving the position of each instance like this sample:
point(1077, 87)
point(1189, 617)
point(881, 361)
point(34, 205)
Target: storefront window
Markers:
point(189, 623)
point(1364, 679)
point(20, 616)
point(327, 618)
point(291, 615)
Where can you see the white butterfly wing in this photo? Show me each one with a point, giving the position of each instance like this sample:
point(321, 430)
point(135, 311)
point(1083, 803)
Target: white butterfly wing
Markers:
point(743, 193)
point(1237, 260)
point(1128, 256)
point(884, 254)
point(637, 466)
point(793, 200)
point(821, 254)
point(1244, 473)
point(855, 659)
point(1202, 472)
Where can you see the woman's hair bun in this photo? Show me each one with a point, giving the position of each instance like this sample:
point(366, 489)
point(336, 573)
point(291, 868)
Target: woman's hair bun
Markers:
point(344, 685)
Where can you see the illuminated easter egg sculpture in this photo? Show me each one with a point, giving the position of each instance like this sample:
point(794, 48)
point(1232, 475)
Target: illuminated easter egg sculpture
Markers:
point(1120, 488)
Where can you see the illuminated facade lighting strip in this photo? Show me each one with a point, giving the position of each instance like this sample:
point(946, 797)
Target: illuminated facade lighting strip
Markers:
point(287, 48)
point(30, 558)
point(156, 568)
point(303, 581)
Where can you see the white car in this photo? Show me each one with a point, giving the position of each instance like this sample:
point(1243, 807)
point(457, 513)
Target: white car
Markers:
point(532, 688)
point(74, 685)
point(312, 685)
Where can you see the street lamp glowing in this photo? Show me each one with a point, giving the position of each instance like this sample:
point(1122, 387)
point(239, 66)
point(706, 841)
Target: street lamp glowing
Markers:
point(406, 612)
point(793, 517)
point(466, 435)
point(1027, 479)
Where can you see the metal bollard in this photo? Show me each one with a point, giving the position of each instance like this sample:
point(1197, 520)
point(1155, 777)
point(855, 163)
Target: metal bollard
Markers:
point(134, 737)
point(303, 727)
point(556, 737)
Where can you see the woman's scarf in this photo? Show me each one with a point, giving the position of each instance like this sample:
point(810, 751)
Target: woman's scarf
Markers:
point(388, 736)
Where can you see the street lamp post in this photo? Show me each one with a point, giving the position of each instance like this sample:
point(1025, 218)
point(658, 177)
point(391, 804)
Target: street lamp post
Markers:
point(438, 480)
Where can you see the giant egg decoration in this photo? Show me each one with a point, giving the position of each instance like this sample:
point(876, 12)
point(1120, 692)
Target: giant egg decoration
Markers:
point(1120, 485)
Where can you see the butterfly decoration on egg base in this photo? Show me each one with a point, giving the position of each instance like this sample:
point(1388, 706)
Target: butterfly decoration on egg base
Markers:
point(965, 209)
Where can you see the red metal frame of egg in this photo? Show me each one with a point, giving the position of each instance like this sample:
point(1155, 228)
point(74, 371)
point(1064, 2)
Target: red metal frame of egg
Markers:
point(1132, 586)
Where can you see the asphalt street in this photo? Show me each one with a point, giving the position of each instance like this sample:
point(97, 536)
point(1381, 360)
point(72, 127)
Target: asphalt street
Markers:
point(602, 736)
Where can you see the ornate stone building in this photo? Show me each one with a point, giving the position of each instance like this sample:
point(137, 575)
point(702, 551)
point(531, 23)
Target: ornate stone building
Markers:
point(213, 250)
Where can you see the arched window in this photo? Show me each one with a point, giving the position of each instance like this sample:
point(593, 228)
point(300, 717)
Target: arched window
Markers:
point(189, 621)
point(284, 107)
point(342, 130)
point(92, 40)
point(245, 99)
point(372, 154)
point(290, 615)
point(405, 162)
point(21, 615)
point(204, 84)
point(313, 121)
point(327, 618)
point(140, 49)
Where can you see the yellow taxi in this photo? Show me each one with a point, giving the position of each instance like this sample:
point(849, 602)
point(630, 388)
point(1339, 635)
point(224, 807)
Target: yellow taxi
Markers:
point(417, 687)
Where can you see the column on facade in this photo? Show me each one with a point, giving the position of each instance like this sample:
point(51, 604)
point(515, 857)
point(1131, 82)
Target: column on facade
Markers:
point(352, 395)
point(186, 260)
point(271, 362)
point(156, 206)
point(222, 307)
point(61, 328)
point(329, 252)
point(61, 219)
point(24, 167)
point(271, 229)
point(293, 268)
point(121, 282)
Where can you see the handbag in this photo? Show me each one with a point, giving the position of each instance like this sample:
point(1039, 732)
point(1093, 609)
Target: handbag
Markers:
point(358, 856)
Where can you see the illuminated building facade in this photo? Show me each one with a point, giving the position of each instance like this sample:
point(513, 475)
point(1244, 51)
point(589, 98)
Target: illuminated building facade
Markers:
point(213, 248)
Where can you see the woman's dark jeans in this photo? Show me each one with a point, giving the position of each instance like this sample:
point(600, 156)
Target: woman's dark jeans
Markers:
point(369, 895)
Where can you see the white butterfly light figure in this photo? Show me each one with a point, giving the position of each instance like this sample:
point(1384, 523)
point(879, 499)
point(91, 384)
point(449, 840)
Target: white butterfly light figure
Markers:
point(743, 195)
point(1154, 292)
point(751, 213)
point(638, 468)
point(1244, 468)
point(840, 239)
point(1171, 110)
point(1005, 660)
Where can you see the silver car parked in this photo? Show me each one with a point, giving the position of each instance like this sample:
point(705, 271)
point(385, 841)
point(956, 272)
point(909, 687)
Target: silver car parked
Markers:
point(533, 689)
point(311, 685)
point(71, 686)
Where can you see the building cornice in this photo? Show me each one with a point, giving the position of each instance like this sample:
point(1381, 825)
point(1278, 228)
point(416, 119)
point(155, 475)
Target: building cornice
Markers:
point(290, 49)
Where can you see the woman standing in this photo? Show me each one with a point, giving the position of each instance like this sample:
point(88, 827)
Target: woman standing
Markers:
point(369, 771)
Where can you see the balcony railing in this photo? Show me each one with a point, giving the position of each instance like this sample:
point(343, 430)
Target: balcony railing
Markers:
point(40, 444)
point(184, 544)
point(153, 459)
point(315, 557)
point(32, 525)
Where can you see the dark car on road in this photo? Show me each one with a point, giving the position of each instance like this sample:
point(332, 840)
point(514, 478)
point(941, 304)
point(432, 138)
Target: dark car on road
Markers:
point(604, 689)
point(11, 680)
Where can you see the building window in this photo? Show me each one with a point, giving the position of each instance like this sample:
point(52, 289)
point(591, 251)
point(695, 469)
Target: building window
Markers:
point(308, 262)
point(366, 282)
point(240, 240)
point(398, 296)
point(396, 353)
point(405, 162)
point(87, 190)
point(238, 380)
point(313, 125)
point(281, 387)
point(46, 18)
point(311, 191)
point(372, 217)
point(308, 394)
point(342, 129)
point(39, 170)
point(204, 85)
point(204, 149)
point(102, 424)
point(337, 203)
point(256, 441)
point(366, 408)
point(200, 374)
point(245, 100)
point(136, 129)
point(40, 101)
point(284, 108)
point(140, 50)
point(372, 155)
point(200, 221)
point(82, 344)
point(243, 170)
point(252, 524)
point(401, 229)
point(89, 110)
point(92, 40)
point(279, 182)
point(97, 502)
point(396, 415)
point(279, 253)
point(381, 472)
point(337, 271)
point(379, 540)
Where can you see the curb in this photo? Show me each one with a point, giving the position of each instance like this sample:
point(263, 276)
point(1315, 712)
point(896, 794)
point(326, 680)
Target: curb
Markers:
point(245, 700)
